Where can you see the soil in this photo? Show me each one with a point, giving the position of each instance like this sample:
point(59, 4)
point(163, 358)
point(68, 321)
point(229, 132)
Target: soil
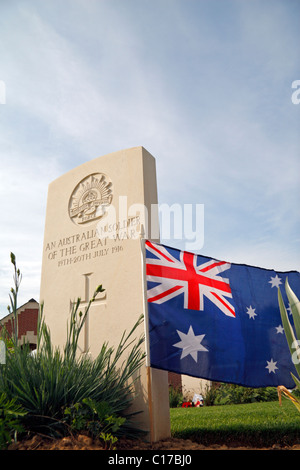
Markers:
point(83, 442)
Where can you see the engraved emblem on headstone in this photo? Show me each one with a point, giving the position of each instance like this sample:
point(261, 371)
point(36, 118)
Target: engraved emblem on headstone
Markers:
point(90, 198)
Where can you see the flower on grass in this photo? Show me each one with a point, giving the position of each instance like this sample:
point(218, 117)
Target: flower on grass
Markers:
point(186, 404)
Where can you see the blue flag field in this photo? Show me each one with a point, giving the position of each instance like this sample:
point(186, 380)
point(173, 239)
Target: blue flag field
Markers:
point(217, 320)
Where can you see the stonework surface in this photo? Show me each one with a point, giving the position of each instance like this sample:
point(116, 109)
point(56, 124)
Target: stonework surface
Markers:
point(96, 215)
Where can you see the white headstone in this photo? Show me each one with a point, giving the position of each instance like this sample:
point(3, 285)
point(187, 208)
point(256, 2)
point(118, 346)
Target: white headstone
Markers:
point(95, 215)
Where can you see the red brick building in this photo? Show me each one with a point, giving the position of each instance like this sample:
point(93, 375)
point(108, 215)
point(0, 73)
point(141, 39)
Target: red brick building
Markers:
point(27, 323)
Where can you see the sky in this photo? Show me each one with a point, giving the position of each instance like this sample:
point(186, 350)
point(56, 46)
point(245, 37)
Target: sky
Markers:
point(204, 85)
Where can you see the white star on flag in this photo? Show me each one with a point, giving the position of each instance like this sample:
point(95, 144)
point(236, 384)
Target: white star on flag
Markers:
point(251, 312)
point(271, 366)
point(275, 281)
point(190, 343)
point(279, 329)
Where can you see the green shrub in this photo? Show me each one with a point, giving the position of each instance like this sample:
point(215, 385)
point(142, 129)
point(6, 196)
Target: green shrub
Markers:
point(54, 380)
point(95, 417)
point(49, 382)
point(10, 415)
point(175, 397)
point(211, 394)
point(229, 394)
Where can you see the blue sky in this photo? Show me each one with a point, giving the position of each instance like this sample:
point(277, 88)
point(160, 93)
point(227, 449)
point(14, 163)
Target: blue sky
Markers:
point(204, 85)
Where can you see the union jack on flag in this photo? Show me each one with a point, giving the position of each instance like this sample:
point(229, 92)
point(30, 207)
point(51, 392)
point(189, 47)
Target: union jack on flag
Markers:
point(217, 320)
point(175, 277)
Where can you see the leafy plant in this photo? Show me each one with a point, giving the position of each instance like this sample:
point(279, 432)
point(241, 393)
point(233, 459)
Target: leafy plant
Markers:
point(49, 382)
point(55, 379)
point(228, 394)
point(109, 440)
point(211, 394)
point(175, 397)
point(13, 299)
point(10, 414)
point(95, 417)
point(293, 338)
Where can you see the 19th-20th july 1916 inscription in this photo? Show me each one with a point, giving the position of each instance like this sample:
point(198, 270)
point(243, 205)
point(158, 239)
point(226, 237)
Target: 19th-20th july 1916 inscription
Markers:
point(87, 245)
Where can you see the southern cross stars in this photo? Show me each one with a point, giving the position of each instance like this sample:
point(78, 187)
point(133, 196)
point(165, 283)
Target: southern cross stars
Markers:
point(271, 366)
point(190, 343)
point(251, 312)
point(275, 281)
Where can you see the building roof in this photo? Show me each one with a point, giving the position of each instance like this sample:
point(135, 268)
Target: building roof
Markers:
point(22, 307)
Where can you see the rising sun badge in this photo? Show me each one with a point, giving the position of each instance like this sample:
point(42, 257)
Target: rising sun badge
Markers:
point(90, 198)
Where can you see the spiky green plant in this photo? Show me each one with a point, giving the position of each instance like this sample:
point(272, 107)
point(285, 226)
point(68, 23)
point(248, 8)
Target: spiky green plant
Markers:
point(10, 422)
point(51, 380)
point(292, 336)
point(12, 308)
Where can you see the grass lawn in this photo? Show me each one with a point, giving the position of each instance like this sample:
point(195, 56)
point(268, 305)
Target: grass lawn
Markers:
point(253, 424)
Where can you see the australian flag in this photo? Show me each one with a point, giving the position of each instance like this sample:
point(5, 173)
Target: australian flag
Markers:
point(217, 320)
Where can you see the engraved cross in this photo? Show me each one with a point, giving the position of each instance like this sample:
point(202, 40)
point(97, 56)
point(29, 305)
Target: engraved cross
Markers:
point(98, 302)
